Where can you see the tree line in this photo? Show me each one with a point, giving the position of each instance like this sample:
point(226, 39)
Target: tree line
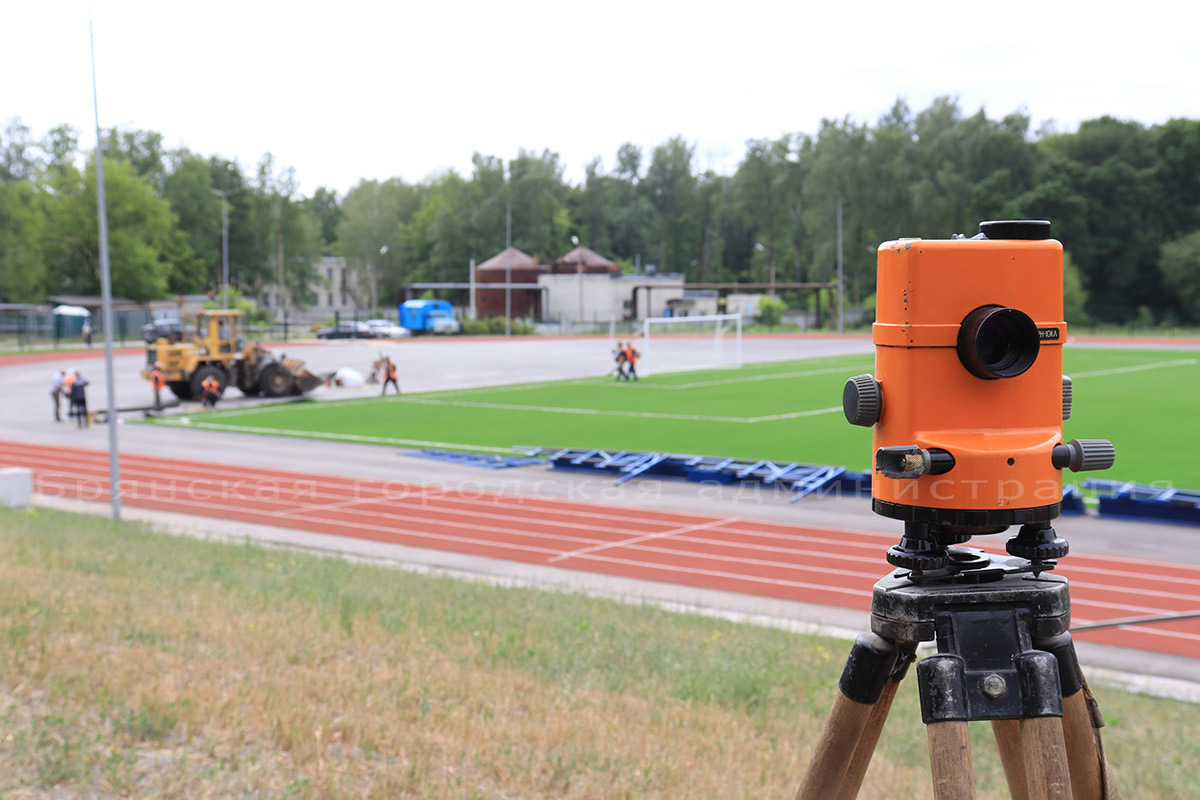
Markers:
point(1124, 199)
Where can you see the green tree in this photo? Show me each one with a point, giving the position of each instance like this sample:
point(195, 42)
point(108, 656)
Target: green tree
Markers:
point(290, 232)
point(327, 208)
point(18, 159)
point(141, 233)
point(142, 149)
point(1075, 296)
point(22, 265)
point(671, 188)
point(188, 188)
point(372, 217)
point(540, 223)
point(1180, 265)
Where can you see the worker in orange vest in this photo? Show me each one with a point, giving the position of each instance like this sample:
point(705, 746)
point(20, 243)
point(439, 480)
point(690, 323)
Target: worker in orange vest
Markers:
point(389, 376)
point(157, 382)
point(67, 381)
point(631, 357)
point(212, 391)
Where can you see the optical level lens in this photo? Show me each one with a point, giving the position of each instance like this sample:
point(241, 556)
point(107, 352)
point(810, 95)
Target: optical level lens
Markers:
point(997, 342)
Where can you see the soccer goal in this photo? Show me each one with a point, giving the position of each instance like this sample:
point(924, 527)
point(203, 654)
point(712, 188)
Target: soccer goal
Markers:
point(673, 344)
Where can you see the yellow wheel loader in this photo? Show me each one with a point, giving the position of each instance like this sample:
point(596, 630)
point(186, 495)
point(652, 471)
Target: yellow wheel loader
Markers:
point(216, 349)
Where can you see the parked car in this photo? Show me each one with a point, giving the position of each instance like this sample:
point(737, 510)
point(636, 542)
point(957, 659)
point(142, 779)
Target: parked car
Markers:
point(169, 328)
point(345, 330)
point(386, 329)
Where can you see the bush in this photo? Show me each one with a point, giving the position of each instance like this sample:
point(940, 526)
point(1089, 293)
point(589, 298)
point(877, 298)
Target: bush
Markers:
point(494, 326)
point(770, 311)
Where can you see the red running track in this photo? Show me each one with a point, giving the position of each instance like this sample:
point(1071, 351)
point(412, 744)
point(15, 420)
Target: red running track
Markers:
point(791, 562)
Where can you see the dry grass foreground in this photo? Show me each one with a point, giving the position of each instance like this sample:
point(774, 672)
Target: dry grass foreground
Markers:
point(138, 664)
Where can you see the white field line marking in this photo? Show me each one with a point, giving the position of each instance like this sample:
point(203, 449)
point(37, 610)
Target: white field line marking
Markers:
point(595, 412)
point(771, 377)
point(215, 426)
point(601, 381)
point(639, 539)
point(1182, 362)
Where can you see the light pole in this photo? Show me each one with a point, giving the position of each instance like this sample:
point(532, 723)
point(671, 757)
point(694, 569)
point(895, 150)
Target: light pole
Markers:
point(375, 280)
point(225, 242)
point(579, 269)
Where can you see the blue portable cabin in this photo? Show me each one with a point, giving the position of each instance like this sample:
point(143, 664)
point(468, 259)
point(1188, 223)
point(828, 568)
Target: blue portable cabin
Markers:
point(428, 316)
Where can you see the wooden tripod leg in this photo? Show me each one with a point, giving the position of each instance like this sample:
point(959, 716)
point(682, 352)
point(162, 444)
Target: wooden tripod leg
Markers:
point(855, 720)
point(1091, 778)
point(1008, 743)
point(839, 740)
point(1045, 759)
point(1046, 771)
point(1083, 755)
point(950, 760)
point(872, 729)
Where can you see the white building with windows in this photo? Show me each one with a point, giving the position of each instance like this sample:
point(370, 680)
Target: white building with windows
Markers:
point(332, 296)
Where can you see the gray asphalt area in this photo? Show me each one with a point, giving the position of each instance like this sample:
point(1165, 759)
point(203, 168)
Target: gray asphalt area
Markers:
point(442, 364)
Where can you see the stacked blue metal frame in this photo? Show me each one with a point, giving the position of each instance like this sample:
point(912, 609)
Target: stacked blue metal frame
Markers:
point(476, 459)
point(799, 479)
point(1146, 502)
point(1117, 499)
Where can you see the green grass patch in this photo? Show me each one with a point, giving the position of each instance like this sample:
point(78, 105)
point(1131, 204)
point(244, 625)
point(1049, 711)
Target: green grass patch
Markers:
point(270, 673)
point(781, 411)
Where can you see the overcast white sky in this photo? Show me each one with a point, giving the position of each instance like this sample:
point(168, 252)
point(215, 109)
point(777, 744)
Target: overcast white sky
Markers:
point(355, 89)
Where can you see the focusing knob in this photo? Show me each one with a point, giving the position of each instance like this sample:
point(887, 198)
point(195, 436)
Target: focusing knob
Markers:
point(862, 400)
point(1084, 455)
point(1068, 396)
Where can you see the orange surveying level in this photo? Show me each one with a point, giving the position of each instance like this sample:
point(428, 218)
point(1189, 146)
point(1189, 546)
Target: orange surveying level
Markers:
point(967, 405)
point(969, 397)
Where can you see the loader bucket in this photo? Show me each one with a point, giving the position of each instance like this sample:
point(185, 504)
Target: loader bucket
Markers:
point(305, 380)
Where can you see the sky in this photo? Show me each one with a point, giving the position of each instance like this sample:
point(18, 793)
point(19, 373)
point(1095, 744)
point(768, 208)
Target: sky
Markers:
point(351, 90)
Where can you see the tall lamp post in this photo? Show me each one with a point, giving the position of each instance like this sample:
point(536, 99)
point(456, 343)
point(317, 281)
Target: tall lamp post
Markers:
point(383, 251)
point(579, 271)
point(225, 242)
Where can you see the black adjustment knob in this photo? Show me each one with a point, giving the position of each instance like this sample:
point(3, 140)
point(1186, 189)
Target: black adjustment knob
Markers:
point(862, 400)
point(1037, 542)
point(1027, 229)
point(1084, 455)
point(1068, 397)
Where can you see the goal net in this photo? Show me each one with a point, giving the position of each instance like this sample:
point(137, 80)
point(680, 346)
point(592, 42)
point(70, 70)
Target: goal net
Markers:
point(673, 344)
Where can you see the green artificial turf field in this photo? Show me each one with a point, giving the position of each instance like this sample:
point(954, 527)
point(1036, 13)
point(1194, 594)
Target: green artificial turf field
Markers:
point(781, 411)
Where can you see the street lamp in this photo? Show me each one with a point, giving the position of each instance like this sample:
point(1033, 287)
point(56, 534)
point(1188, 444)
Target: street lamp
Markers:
point(225, 242)
point(375, 280)
point(579, 270)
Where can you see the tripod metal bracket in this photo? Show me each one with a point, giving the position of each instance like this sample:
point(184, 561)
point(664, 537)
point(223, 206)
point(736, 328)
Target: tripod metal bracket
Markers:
point(987, 667)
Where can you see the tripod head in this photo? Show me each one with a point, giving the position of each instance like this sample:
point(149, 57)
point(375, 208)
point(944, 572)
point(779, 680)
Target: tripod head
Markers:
point(968, 399)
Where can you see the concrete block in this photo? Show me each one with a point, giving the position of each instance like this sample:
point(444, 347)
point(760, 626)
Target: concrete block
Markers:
point(16, 487)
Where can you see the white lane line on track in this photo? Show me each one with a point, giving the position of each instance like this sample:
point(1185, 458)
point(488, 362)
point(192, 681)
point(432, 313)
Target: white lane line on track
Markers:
point(337, 437)
point(729, 559)
point(639, 539)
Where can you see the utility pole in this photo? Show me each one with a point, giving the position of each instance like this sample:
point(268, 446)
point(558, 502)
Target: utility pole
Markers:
point(225, 242)
point(114, 469)
point(840, 266)
point(508, 267)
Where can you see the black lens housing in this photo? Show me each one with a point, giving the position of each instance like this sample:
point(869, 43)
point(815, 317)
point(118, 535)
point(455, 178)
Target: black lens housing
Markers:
point(998, 342)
